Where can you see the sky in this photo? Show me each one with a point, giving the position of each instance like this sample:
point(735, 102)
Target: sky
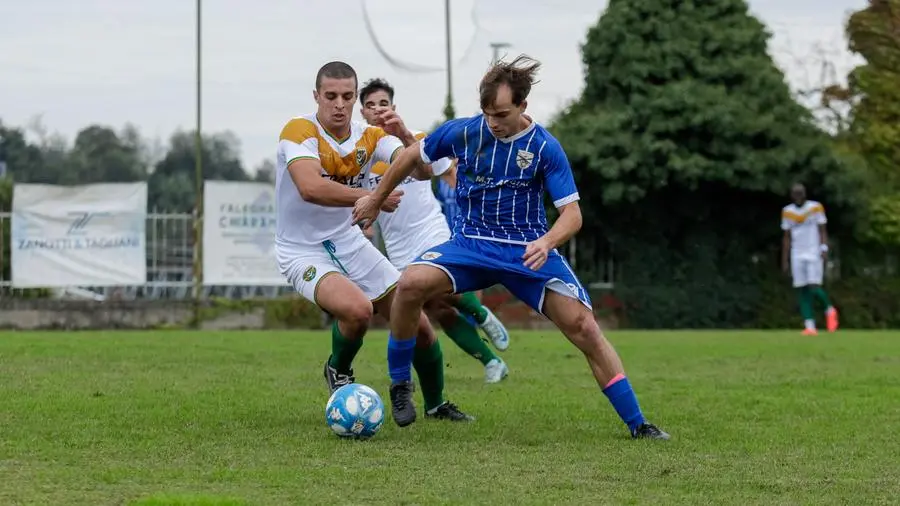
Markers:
point(67, 64)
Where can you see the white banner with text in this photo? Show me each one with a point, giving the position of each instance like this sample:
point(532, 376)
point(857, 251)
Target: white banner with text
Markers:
point(87, 235)
point(239, 234)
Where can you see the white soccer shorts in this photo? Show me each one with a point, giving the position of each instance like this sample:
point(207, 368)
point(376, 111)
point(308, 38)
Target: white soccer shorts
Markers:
point(423, 240)
point(807, 271)
point(351, 255)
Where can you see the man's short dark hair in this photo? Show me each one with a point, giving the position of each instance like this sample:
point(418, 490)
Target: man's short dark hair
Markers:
point(336, 70)
point(373, 85)
point(518, 75)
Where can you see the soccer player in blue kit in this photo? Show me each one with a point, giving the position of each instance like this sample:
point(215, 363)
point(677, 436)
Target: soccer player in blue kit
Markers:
point(505, 162)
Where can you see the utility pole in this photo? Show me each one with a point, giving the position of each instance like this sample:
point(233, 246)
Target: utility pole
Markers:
point(198, 180)
point(496, 47)
point(449, 111)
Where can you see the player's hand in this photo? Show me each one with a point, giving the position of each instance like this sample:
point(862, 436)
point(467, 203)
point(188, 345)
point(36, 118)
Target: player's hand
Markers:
point(365, 211)
point(536, 254)
point(366, 208)
point(824, 256)
point(392, 202)
point(391, 122)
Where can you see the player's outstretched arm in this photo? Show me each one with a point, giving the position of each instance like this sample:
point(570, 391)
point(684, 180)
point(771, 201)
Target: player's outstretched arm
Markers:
point(567, 225)
point(307, 176)
point(367, 207)
point(403, 165)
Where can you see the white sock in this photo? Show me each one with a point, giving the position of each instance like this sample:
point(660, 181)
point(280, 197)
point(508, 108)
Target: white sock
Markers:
point(810, 324)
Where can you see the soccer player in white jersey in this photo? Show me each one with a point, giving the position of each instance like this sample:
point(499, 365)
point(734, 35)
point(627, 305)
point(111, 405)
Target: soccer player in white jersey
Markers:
point(322, 160)
point(505, 162)
point(419, 225)
point(806, 241)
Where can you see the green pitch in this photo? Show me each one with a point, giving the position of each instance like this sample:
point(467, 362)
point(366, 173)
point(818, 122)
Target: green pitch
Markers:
point(213, 418)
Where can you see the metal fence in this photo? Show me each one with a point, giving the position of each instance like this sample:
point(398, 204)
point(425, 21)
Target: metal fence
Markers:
point(170, 267)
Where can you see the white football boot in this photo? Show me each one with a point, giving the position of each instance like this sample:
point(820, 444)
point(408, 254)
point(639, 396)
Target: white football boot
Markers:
point(495, 371)
point(495, 330)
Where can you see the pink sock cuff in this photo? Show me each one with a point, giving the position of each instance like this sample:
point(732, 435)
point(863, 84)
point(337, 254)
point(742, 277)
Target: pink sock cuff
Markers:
point(615, 379)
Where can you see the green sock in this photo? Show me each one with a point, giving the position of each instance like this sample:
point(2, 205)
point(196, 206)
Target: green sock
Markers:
point(820, 294)
point(343, 350)
point(806, 310)
point(429, 364)
point(469, 304)
point(466, 337)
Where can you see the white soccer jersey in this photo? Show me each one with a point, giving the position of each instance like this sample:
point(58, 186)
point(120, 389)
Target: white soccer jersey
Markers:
point(407, 231)
point(803, 223)
point(303, 224)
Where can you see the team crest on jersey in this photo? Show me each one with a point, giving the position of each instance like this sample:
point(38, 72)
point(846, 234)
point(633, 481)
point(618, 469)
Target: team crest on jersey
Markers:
point(524, 159)
point(309, 274)
point(430, 255)
point(361, 156)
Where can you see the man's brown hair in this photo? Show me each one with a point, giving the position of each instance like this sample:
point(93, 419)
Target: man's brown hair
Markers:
point(335, 70)
point(518, 74)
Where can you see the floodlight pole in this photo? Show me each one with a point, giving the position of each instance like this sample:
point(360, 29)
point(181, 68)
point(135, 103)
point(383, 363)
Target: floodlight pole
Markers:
point(198, 177)
point(496, 47)
point(449, 111)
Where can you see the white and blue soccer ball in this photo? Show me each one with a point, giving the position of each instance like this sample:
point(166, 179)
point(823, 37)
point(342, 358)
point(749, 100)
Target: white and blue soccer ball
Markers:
point(354, 411)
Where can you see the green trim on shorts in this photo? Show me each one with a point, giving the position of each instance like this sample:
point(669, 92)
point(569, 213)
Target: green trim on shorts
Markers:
point(384, 293)
point(316, 289)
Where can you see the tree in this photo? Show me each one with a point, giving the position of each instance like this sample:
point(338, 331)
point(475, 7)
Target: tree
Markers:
point(172, 185)
point(102, 155)
point(265, 172)
point(684, 144)
point(874, 95)
point(21, 157)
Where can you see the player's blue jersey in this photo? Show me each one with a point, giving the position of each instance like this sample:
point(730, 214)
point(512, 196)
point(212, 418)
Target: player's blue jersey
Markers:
point(501, 182)
point(446, 195)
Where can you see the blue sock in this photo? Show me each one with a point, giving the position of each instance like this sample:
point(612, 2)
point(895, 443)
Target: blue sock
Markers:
point(622, 397)
point(400, 356)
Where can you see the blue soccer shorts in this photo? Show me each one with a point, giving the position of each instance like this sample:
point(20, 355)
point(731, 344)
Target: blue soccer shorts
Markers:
point(475, 264)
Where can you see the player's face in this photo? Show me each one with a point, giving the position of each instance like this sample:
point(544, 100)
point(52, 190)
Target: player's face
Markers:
point(504, 118)
point(374, 103)
point(798, 195)
point(336, 98)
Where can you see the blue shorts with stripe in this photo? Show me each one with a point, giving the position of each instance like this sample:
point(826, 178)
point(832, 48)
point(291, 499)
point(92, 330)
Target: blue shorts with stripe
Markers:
point(475, 264)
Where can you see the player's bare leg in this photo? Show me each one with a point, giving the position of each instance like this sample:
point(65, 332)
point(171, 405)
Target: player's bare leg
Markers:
point(462, 332)
point(577, 322)
point(352, 312)
point(417, 284)
point(428, 361)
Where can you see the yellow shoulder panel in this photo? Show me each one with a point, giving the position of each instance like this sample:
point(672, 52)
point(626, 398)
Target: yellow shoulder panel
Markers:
point(298, 130)
point(379, 169)
point(788, 215)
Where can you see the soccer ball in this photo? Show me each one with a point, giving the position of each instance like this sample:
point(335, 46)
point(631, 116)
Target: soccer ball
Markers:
point(354, 411)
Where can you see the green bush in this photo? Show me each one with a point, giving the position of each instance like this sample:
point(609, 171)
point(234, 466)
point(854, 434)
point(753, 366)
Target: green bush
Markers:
point(280, 313)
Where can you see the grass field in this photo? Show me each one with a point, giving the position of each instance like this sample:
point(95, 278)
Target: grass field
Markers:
point(191, 418)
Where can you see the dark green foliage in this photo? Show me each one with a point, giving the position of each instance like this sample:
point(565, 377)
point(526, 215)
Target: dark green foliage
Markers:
point(684, 144)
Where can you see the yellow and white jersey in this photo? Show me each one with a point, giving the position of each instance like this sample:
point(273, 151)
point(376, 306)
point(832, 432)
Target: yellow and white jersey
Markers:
point(803, 223)
point(418, 217)
point(346, 161)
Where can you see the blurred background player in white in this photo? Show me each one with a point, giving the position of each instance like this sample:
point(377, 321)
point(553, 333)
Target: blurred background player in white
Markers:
point(806, 241)
point(322, 159)
point(418, 225)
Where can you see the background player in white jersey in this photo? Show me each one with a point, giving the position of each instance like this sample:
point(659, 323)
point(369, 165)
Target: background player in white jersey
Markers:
point(322, 160)
point(505, 163)
point(806, 241)
point(419, 225)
